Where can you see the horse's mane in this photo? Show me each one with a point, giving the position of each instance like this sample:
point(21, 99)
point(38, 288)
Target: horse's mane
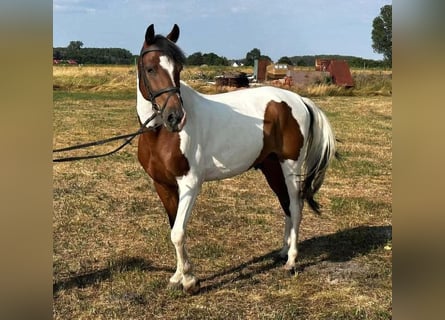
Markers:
point(170, 49)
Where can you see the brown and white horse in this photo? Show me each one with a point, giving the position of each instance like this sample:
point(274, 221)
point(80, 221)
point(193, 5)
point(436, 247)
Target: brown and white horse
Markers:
point(197, 138)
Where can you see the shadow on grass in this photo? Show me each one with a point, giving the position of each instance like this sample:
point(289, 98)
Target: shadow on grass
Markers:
point(341, 246)
point(121, 265)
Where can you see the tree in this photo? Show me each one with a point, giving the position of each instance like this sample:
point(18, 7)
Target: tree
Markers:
point(251, 56)
point(213, 59)
point(195, 59)
point(73, 50)
point(285, 60)
point(75, 45)
point(93, 55)
point(57, 54)
point(264, 57)
point(301, 63)
point(382, 33)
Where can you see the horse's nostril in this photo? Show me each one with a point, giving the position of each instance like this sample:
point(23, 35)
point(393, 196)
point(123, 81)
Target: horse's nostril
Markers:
point(174, 117)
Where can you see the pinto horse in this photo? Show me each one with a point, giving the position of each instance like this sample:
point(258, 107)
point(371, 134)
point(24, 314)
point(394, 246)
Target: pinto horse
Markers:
point(192, 138)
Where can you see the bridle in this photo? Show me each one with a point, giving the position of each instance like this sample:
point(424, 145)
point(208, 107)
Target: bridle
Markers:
point(153, 95)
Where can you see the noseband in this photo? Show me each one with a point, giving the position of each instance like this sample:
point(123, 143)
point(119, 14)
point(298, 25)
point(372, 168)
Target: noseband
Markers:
point(153, 95)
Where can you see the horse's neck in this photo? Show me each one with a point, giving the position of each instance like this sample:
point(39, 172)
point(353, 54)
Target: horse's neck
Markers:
point(188, 93)
point(192, 99)
point(195, 99)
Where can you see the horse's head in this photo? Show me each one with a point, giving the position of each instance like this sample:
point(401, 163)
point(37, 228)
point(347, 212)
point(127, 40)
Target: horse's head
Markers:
point(160, 63)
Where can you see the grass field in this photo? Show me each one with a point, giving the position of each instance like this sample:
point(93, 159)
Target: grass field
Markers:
point(112, 253)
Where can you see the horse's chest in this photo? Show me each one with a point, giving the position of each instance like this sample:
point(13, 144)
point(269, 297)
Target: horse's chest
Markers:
point(162, 159)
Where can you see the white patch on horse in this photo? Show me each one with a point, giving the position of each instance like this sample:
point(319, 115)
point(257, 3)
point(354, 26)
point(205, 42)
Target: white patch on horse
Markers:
point(168, 65)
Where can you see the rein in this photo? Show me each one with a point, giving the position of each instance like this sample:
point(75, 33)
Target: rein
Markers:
point(128, 138)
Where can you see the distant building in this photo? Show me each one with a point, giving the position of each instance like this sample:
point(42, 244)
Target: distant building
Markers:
point(338, 69)
point(306, 77)
point(277, 71)
point(322, 64)
point(259, 69)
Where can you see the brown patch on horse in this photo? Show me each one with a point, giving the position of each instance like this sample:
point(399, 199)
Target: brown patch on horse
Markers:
point(282, 139)
point(281, 133)
point(169, 195)
point(161, 157)
point(274, 175)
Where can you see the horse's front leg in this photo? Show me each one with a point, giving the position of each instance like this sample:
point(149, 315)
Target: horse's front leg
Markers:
point(189, 187)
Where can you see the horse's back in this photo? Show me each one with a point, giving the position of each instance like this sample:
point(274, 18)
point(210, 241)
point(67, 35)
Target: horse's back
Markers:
point(254, 101)
point(229, 127)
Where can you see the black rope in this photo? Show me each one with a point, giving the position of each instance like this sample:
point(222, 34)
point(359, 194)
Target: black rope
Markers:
point(128, 138)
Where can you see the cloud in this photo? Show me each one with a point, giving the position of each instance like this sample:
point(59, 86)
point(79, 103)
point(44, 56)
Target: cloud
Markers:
point(76, 6)
point(238, 9)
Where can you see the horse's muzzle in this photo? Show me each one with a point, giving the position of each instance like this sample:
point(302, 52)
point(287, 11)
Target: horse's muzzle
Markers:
point(175, 120)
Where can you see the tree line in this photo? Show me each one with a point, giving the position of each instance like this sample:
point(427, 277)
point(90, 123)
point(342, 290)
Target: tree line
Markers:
point(122, 56)
point(353, 62)
point(74, 51)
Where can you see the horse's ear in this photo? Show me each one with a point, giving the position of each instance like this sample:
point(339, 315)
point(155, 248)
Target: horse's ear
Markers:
point(150, 34)
point(174, 34)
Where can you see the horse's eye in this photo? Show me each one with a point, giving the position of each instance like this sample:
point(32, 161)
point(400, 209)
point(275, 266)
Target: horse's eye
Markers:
point(150, 70)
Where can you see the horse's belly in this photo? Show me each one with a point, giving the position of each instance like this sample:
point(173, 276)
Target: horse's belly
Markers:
point(219, 170)
point(221, 165)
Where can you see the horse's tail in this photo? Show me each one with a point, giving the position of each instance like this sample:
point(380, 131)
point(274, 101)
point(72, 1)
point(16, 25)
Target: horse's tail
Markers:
point(320, 149)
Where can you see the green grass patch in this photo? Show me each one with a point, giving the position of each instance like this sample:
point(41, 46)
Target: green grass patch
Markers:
point(93, 96)
point(358, 206)
point(361, 167)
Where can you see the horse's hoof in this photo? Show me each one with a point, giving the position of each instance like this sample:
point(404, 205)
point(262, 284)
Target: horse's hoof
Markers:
point(289, 268)
point(174, 286)
point(192, 287)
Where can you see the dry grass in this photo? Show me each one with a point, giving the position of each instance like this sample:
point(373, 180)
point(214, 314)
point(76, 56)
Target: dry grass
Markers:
point(123, 79)
point(113, 257)
point(94, 78)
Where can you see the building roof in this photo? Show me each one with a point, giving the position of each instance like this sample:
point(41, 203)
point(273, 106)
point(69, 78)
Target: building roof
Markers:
point(339, 70)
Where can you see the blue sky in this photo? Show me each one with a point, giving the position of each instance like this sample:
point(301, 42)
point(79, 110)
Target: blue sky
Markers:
point(229, 28)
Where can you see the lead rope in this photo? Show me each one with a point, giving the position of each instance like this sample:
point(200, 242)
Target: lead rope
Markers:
point(128, 138)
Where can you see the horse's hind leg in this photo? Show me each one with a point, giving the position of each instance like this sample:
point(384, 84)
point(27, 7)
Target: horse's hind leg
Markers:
point(273, 172)
point(291, 171)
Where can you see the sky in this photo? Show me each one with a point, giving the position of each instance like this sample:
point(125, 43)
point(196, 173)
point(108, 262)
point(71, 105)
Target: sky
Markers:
point(228, 28)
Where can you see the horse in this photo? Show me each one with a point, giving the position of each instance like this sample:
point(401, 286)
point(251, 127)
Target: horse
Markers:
point(190, 138)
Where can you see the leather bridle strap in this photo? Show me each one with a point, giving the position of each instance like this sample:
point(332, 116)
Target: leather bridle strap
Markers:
point(153, 95)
